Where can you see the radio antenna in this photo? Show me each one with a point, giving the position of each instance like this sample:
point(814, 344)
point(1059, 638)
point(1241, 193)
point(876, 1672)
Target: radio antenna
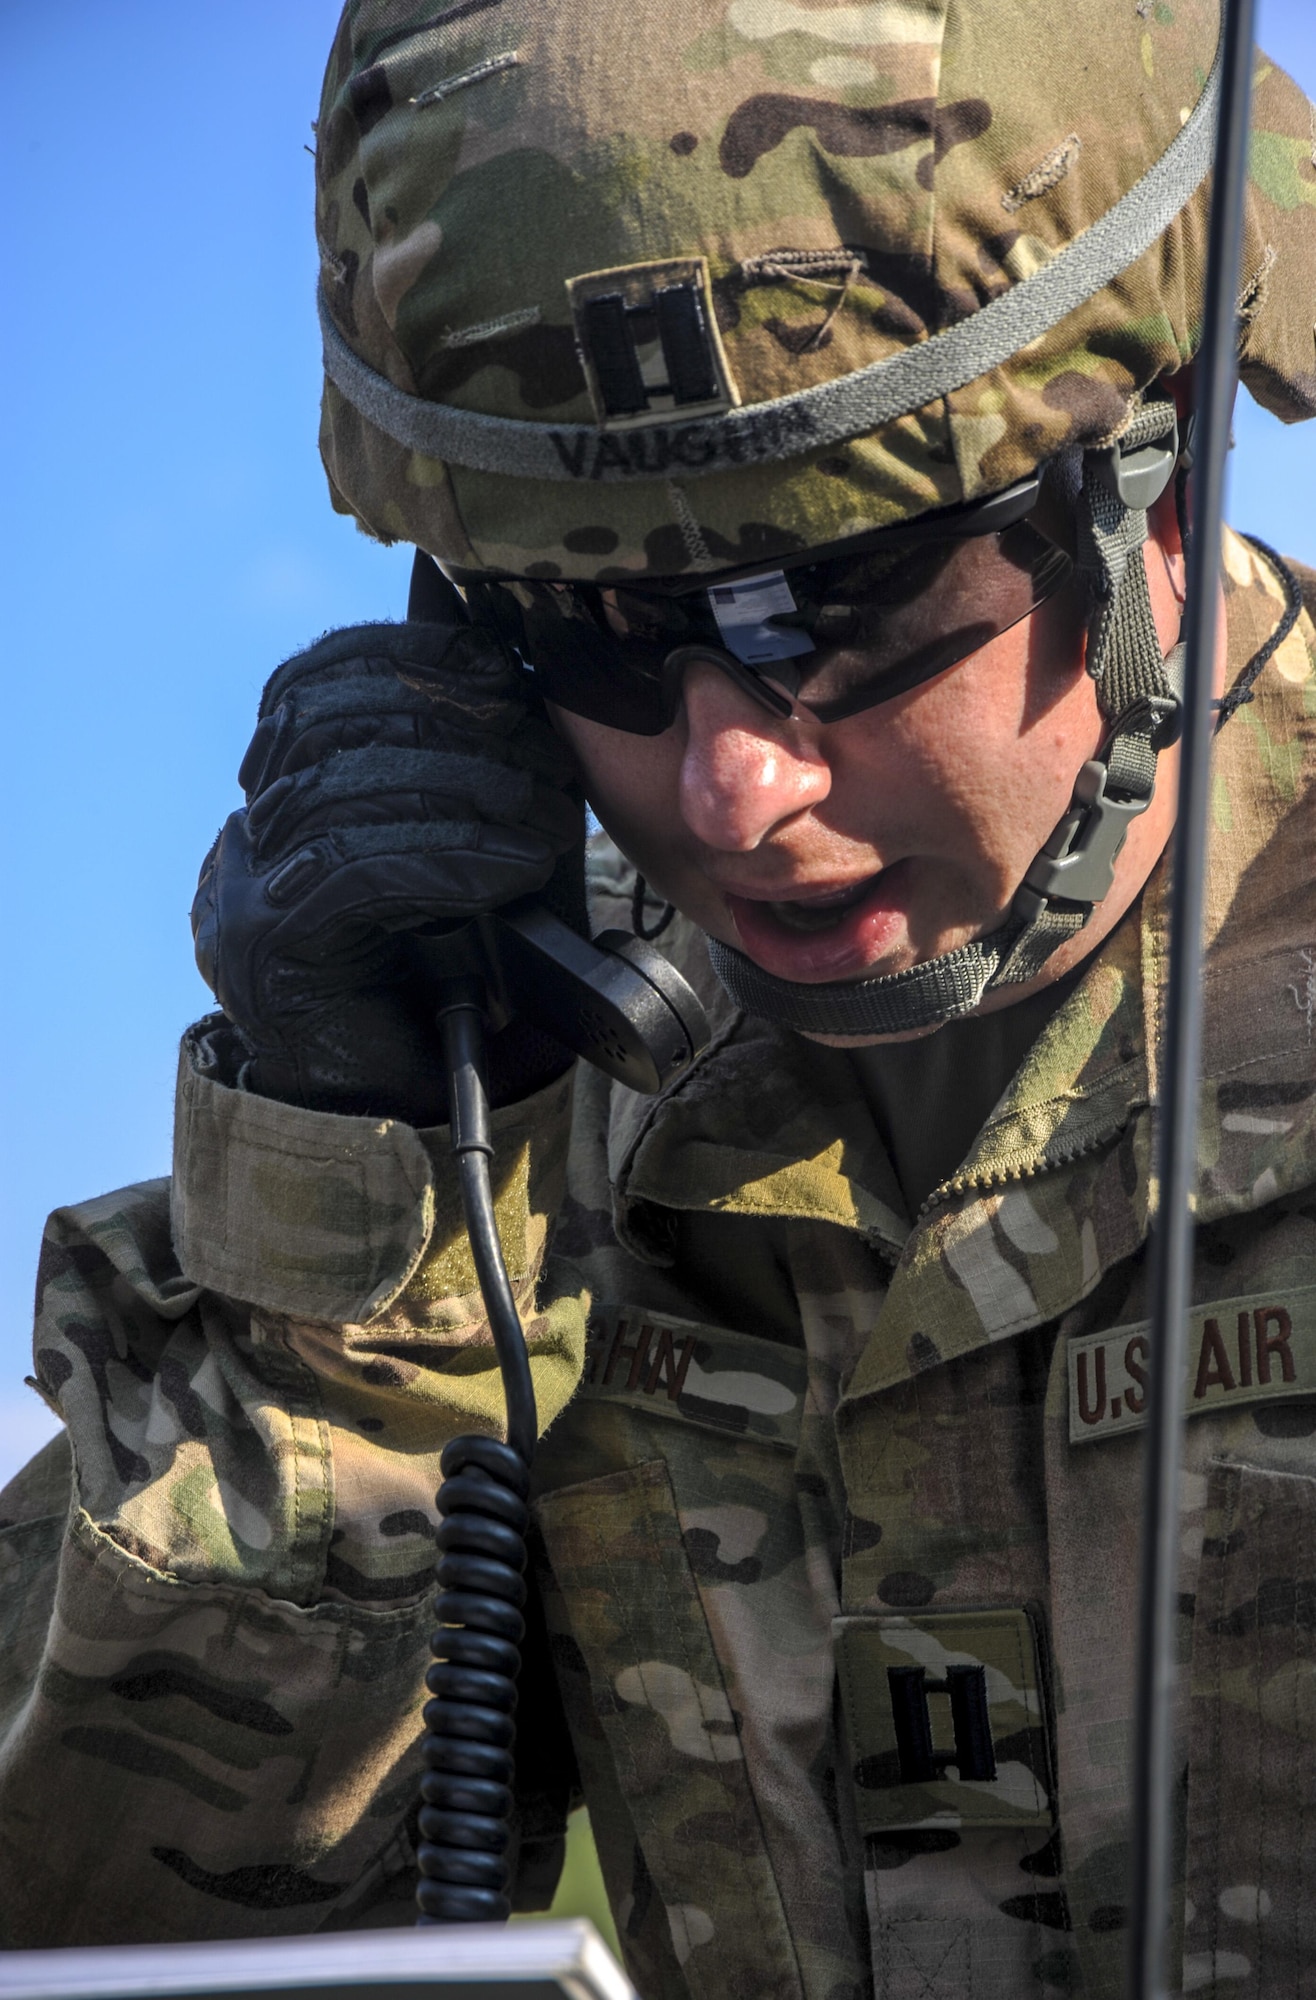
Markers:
point(1155, 1792)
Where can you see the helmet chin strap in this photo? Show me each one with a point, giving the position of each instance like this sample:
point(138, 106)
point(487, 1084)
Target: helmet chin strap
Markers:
point(1138, 690)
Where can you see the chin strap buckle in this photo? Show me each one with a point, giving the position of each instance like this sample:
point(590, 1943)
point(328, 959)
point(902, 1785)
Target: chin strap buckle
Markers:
point(1078, 862)
point(1138, 468)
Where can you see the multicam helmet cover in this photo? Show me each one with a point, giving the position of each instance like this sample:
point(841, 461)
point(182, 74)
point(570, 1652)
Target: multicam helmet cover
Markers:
point(630, 228)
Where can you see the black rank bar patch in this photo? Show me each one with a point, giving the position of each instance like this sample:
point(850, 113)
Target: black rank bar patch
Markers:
point(946, 1717)
point(649, 345)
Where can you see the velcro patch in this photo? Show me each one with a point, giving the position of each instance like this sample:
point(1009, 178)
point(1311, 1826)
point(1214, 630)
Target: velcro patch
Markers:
point(649, 344)
point(1256, 1349)
point(946, 1718)
point(736, 1383)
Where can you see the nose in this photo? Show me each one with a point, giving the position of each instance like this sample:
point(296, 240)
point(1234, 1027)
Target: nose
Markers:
point(743, 772)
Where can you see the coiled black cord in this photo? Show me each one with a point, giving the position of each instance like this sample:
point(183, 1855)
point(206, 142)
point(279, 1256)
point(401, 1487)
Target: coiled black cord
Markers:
point(466, 1790)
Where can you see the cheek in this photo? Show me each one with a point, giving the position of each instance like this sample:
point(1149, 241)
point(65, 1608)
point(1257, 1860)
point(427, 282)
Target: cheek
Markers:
point(983, 759)
point(949, 745)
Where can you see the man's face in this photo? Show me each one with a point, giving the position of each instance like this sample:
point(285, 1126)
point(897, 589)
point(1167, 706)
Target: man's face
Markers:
point(843, 850)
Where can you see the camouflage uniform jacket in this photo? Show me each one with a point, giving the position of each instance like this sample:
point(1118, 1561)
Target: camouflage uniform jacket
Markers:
point(837, 1512)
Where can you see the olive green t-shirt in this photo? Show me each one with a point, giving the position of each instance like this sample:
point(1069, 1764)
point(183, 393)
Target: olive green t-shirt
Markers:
point(931, 1098)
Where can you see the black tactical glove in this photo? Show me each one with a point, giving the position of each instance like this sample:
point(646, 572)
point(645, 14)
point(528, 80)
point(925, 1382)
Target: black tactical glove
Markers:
point(397, 778)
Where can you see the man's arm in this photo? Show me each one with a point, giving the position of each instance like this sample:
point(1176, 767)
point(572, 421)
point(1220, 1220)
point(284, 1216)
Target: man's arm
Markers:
point(218, 1611)
point(214, 1705)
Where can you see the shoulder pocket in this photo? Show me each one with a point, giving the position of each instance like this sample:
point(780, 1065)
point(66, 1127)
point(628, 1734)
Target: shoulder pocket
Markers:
point(198, 1760)
point(29, 1566)
point(1251, 1861)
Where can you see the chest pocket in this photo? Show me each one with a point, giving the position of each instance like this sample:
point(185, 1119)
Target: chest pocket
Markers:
point(659, 1699)
point(679, 1435)
point(946, 1718)
point(1251, 1863)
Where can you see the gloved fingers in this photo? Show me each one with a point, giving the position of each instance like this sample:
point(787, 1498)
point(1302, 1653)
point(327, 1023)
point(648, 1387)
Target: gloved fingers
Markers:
point(378, 785)
point(481, 791)
point(324, 902)
point(359, 714)
point(205, 914)
point(475, 705)
point(284, 745)
point(465, 664)
point(403, 822)
point(333, 901)
point(447, 700)
point(471, 842)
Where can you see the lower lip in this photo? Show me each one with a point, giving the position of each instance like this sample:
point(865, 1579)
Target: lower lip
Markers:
point(864, 934)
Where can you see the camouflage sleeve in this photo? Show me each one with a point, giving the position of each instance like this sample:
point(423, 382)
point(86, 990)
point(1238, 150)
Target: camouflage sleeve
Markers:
point(215, 1609)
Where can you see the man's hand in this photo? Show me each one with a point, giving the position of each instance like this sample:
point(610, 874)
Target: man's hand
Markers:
point(397, 778)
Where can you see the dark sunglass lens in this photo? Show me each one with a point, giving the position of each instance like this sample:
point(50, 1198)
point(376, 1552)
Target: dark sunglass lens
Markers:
point(583, 667)
point(881, 622)
point(920, 612)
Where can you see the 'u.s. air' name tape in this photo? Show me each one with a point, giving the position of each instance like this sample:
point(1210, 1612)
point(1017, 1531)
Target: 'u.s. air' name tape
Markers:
point(1246, 1350)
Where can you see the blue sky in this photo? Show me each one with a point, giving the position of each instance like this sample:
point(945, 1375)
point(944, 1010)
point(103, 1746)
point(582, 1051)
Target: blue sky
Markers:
point(167, 540)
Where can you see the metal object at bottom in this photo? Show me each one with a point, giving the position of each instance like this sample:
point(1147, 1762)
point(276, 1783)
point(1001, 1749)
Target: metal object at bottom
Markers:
point(520, 1961)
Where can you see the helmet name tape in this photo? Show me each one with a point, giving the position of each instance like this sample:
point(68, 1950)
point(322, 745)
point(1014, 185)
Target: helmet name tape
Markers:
point(648, 343)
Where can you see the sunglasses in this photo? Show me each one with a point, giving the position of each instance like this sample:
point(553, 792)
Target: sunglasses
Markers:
point(836, 630)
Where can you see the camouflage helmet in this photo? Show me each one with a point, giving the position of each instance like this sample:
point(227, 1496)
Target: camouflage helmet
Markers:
point(618, 289)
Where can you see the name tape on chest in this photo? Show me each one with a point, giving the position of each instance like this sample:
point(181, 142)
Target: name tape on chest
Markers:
point(1254, 1349)
point(737, 1383)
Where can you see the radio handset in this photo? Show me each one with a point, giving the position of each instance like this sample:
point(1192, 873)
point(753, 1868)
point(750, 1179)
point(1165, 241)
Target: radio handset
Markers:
point(613, 1000)
point(618, 1003)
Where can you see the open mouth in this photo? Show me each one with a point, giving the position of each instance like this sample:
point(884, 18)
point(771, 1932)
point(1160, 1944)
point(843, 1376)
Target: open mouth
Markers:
point(823, 915)
point(837, 935)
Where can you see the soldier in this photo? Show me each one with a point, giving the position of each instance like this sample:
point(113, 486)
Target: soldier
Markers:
point(791, 395)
